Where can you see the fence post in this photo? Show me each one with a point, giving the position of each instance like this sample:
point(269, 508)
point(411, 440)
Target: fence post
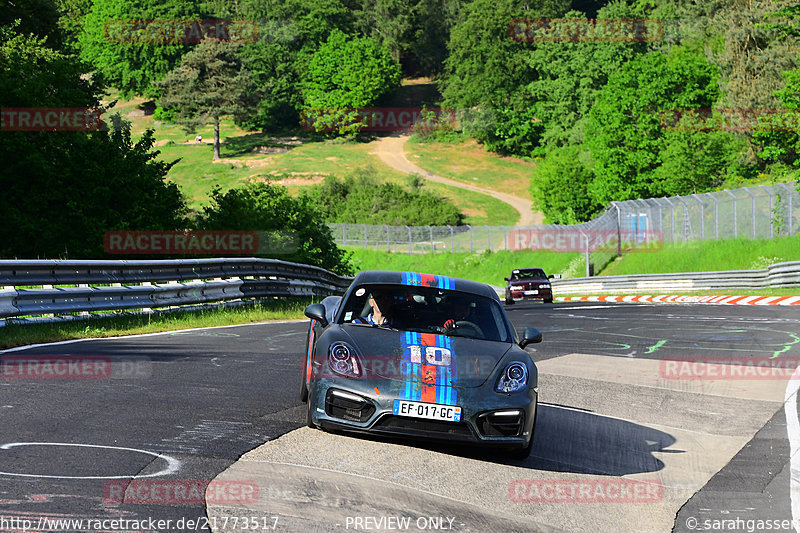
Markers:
point(365, 235)
point(344, 235)
point(789, 192)
point(619, 228)
point(702, 218)
point(587, 251)
point(753, 209)
point(735, 226)
point(430, 233)
point(410, 249)
point(471, 242)
point(716, 215)
point(488, 236)
point(671, 217)
point(452, 245)
point(505, 238)
point(771, 210)
point(388, 242)
point(687, 222)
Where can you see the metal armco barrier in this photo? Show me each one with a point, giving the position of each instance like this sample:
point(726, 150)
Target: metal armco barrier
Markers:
point(125, 285)
point(778, 275)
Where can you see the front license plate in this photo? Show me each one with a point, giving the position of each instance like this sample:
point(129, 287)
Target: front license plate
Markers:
point(432, 411)
point(528, 293)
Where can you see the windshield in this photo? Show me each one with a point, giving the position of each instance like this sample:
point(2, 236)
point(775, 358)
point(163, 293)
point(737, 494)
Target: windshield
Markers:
point(426, 310)
point(533, 273)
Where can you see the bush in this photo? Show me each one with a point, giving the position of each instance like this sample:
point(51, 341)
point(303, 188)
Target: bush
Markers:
point(560, 186)
point(269, 208)
point(362, 199)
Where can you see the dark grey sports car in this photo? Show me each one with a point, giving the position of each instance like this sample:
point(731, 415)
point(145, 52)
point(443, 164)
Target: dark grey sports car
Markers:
point(419, 355)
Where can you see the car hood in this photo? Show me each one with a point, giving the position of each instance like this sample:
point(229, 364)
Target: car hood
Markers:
point(457, 361)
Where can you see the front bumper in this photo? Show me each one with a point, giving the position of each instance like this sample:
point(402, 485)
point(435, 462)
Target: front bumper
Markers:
point(519, 295)
point(353, 405)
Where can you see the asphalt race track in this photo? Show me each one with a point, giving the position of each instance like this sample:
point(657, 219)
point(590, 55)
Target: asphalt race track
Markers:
point(651, 448)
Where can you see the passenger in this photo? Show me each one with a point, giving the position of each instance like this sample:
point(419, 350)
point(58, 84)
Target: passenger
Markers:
point(382, 306)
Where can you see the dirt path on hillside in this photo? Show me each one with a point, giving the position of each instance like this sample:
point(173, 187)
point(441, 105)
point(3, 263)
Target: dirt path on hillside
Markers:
point(391, 150)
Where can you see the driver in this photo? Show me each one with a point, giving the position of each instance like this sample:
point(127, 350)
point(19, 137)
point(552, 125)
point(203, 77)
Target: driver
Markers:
point(382, 304)
point(461, 310)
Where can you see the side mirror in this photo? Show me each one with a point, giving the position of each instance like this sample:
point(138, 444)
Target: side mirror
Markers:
point(530, 336)
point(317, 312)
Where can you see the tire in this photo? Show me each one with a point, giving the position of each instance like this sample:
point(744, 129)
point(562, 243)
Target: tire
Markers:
point(309, 411)
point(524, 452)
point(509, 301)
point(303, 390)
point(548, 300)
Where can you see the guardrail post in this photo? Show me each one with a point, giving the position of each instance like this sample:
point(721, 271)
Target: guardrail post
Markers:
point(735, 225)
point(753, 208)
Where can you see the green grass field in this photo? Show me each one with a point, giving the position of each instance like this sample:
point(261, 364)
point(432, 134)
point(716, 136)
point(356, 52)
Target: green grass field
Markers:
point(484, 267)
point(296, 161)
point(469, 162)
point(739, 254)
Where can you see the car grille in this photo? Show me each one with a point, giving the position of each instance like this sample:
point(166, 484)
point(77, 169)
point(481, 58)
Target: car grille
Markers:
point(347, 407)
point(491, 425)
point(392, 422)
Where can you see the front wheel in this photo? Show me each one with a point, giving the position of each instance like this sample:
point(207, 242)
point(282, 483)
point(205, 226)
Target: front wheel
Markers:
point(509, 301)
point(548, 300)
point(309, 412)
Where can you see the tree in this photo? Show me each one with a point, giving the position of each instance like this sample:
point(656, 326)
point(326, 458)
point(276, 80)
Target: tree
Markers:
point(488, 70)
point(123, 41)
point(560, 186)
point(210, 82)
point(346, 73)
point(626, 134)
point(569, 76)
point(63, 190)
point(266, 207)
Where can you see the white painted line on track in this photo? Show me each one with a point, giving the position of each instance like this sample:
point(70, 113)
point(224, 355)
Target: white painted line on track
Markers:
point(71, 341)
point(793, 431)
point(173, 465)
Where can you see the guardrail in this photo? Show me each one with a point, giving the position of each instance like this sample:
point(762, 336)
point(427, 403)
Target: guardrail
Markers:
point(775, 276)
point(31, 287)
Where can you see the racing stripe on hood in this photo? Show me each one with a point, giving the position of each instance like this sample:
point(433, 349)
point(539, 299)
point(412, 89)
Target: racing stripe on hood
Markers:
point(427, 280)
point(428, 368)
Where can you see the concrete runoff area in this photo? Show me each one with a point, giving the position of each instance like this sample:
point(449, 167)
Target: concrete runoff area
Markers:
point(604, 422)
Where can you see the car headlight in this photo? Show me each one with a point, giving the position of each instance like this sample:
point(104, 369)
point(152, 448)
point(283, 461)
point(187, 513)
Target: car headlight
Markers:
point(513, 379)
point(544, 286)
point(342, 360)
